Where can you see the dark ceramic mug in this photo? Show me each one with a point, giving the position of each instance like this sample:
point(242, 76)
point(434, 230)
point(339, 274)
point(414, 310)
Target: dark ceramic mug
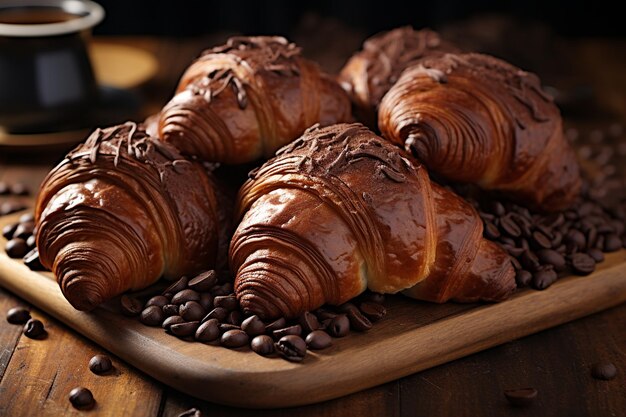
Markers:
point(46, 79)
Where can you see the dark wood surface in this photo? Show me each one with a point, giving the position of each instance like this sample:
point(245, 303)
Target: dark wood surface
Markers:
point(37, 375)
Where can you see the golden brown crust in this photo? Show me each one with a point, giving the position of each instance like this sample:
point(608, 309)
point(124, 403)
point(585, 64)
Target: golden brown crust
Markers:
point(121, 210)
point(371, 72)
point(339, 210)
point(244, 100)
point(475, 118)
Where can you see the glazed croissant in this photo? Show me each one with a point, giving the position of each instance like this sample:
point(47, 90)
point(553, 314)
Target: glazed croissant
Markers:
point(122, 210)
point(371, 72)
point(340, 210)
point(244, 100)
point(476, 119)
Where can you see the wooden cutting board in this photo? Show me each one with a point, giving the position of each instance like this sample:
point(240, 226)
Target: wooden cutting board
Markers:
point(412, 337)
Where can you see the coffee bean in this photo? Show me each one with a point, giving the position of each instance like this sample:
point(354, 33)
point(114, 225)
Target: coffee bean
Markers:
point(612, 243)
point(235, 317)
point(309, 322)
point(234, 339)
point(291, 330)
point(552, 257)
point(16, 248)
point(521, 397)
point(541, 241)
point(184, 329)
point(515, 263)
point(177, 286)
point(263, 345)
point(292, 348)
point(275, 325)
point(9, 207)
point(575, 238)
point(18, 315)
point(523, 278)
point(27, 217)
point(170, 321)
point(513, 251)
point(596, 254)
point(170, 310)
point(373, 311)
point(206, 301)
point(253, 326)
point(490, 231)
point(358, 321)
point(508, 226)
point(191, 311)
point(529, 261)
point(318, 339)
point(224, 327)
point(203, 282)
point(183, 296)
point(157, 300)
point(100, 364)
point(544, 277)
point(339, 326)
point(583, 264)
point(19, 189)
point(152, 316)
point(604, 370)
point(497, 208)
point(228, 302)
point(208, 331)
point(31, 242)
point(24, 230)
point(323, 314)
point(34, 329)
point(218, 313)
point(192, 412)
point(222, 290)
point(9, 230)
point(131, 306)
point(81, 398)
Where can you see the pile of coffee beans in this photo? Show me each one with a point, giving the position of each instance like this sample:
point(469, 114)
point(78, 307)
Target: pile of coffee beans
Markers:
point(12, 190)
point(33, 328)
point(21, 241)
point(205, 309)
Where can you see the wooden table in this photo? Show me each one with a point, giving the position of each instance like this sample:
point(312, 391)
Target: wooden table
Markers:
point(37, 375)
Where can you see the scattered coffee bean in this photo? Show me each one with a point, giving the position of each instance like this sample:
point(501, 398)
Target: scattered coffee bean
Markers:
point(31, 242)
point(275, 325)
point(544, 277)
point(27, 217)
point(25, 230)
point(339, 326)
point(373, 311)
point(523, 278)
point(192, 412)
point(184, 329)
point(291, 330)
point(541, 241)
point(100, 364)
point(604, 370)
point(234, 339)
point(157, 300)
point(529, 261)
point(16, 248)
point(521, 397)
point(18, 315)
point(612, 243)
point(508, 226)
point(183, 296)
point(191, 311)
point(9, 207)
point(309, 322)
point(34, 329)
point(206, 301)
point(235, 317)
point(224, 327)
point(19, 189)
point(583, 264)
point(358, 321)
point(253, 326)
point(491, 231)
point(263, 345)
point(170, 321)
point(9, 230)
point(152, 316)
point(170, 310)
point(177, 286)
point(552, 257)
point(227, 302)
point(131, 306)
point(203, 282)
point(292, 348)
point(318, 339)
point(596, 254)
point(218, 313)
point(324, 314)
point(82, 398)
point(208, 331)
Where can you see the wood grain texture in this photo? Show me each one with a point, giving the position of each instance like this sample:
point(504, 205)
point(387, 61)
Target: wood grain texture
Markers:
point(413, 337)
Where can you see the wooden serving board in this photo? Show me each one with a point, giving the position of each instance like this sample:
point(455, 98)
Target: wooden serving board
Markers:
point(412, 337)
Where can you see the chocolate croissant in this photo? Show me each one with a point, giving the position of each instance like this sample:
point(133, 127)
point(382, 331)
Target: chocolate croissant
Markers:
point(371, 72)
point(340, 210)
point(476, 119)
point(122, 210)
point(242, 101)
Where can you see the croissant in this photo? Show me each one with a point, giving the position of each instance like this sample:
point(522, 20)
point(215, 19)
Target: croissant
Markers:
point(121, 210)
point(244, 100)
point(476, 119)
point(370, 73)
point(340, 210)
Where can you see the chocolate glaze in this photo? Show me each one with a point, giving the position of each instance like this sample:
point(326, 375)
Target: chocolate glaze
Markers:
point(340, 210)
point(243, 100)
point(371, 72)
point(475, 118)
point(121, 210)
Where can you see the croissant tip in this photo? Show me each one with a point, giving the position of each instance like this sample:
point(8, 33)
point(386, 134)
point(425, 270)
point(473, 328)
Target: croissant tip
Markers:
point(82, 296)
